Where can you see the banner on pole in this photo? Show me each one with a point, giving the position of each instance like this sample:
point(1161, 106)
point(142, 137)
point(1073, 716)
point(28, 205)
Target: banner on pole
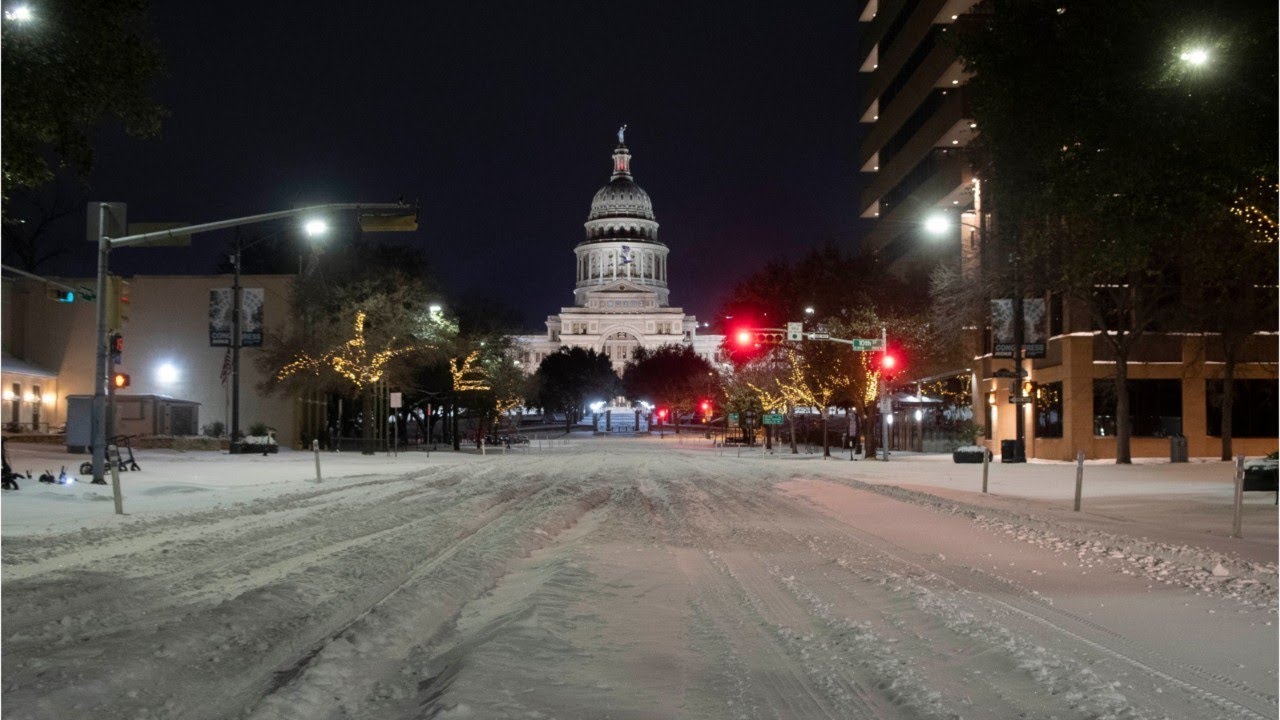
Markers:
point(221, 306)
point(1033, 328)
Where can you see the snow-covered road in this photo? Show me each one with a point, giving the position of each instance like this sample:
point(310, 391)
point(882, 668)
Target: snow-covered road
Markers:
point(633, 579)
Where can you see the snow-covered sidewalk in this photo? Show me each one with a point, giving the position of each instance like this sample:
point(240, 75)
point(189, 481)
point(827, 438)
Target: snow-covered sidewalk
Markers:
point(1173, 502)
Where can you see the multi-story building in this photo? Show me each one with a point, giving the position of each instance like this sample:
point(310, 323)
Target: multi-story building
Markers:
point(918, 119)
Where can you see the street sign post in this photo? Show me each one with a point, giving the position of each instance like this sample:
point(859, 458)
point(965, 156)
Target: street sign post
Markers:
point(772, 419)
point(795, 331)
point(1021, 399)
point(866, 344)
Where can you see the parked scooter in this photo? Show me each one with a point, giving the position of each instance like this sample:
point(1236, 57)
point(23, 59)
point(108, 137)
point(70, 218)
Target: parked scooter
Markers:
point(62, 478)
point(10, 478)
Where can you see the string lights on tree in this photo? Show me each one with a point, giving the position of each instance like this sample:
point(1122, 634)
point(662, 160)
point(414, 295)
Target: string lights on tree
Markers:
point(468, 376)
point(1260, 220)
point(352, 360)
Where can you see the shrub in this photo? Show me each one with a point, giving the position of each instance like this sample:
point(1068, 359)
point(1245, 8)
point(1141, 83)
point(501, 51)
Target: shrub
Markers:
point(214, 429)
point(258, 429)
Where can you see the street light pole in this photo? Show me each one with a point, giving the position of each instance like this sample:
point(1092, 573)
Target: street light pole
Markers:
point(236, 305)
point(98, 422)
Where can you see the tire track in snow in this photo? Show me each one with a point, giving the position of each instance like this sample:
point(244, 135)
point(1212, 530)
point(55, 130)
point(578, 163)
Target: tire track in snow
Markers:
point(1225, 693)
point(419, 608)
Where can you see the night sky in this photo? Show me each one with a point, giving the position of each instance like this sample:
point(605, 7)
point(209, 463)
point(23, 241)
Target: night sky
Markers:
point(501, 118)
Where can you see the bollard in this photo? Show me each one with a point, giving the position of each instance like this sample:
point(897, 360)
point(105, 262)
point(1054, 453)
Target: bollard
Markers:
point(315, 448)
point(1239, 499)
point(482, 446)
point(985, 464)
point(1079, 477)
point(116, 493)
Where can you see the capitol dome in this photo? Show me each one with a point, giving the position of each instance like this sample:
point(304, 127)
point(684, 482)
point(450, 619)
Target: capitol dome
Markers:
point(622, 197)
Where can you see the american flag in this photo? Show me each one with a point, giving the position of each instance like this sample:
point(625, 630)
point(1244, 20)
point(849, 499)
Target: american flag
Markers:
point(226, 367)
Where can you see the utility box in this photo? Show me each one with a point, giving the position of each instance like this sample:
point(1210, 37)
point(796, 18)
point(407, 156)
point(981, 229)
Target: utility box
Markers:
point(1012, 451)
point(1178, 448)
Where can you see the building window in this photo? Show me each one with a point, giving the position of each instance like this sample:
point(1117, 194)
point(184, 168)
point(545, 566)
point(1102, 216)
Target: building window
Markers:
point(15, 407)
point(1155, 408)
point(1253, 408)
point(1049, 410)
point(35, 407)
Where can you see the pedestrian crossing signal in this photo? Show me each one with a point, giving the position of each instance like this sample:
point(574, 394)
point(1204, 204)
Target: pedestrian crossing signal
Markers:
point(120, 380)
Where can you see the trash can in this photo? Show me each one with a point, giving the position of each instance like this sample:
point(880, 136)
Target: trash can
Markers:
point(1177, 448)
point(1012, 451)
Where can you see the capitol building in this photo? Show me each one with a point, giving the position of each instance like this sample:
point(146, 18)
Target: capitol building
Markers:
point(620, 296)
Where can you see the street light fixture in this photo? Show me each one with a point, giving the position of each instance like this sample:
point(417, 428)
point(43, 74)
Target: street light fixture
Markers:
point(21, 14)
point(316, 228)
point(938, 224)
point(1195, 56)
point(313, 228)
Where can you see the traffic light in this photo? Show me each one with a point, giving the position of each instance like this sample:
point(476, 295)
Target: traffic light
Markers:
point(745, 338)
point(120, 380)
point(117, 302)
point(662, 414)
point(706, 407)
point(890, 365)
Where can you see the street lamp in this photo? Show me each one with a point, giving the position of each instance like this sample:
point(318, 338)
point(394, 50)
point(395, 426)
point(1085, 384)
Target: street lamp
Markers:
point(314, 228)
point(21, 14)
point(1195, 56)
point(937, 224)
point(111, 215)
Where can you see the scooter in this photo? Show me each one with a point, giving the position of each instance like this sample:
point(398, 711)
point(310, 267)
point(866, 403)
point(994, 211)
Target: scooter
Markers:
point(9, 481)
point(61, 479)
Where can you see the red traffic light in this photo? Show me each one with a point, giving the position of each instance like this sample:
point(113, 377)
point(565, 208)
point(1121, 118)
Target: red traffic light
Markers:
point(745, 338)
point(888, 362)
point(706, 406)
point(120, 380)
point(662, 414)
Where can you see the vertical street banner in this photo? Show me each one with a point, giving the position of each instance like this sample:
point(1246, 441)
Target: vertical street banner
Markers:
point(221, 305)
point(1033, 328)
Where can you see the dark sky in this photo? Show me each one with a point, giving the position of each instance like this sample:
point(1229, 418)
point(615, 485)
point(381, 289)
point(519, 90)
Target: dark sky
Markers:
point(501, 117)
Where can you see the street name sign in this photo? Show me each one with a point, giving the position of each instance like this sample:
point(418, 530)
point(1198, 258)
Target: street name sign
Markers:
point(867, 343)
point(772, 419)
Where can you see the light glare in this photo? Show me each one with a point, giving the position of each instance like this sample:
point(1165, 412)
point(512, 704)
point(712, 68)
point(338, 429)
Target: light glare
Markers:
point(316, 228)
point(167, 373)
point(937, 224)
point(22, 13)
point(1196, 56)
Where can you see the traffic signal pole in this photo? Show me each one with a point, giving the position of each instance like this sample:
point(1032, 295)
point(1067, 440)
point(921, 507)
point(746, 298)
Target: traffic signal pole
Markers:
point(97, 424)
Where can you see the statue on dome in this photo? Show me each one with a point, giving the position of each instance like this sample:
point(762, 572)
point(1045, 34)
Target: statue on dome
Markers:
point(622, 131)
